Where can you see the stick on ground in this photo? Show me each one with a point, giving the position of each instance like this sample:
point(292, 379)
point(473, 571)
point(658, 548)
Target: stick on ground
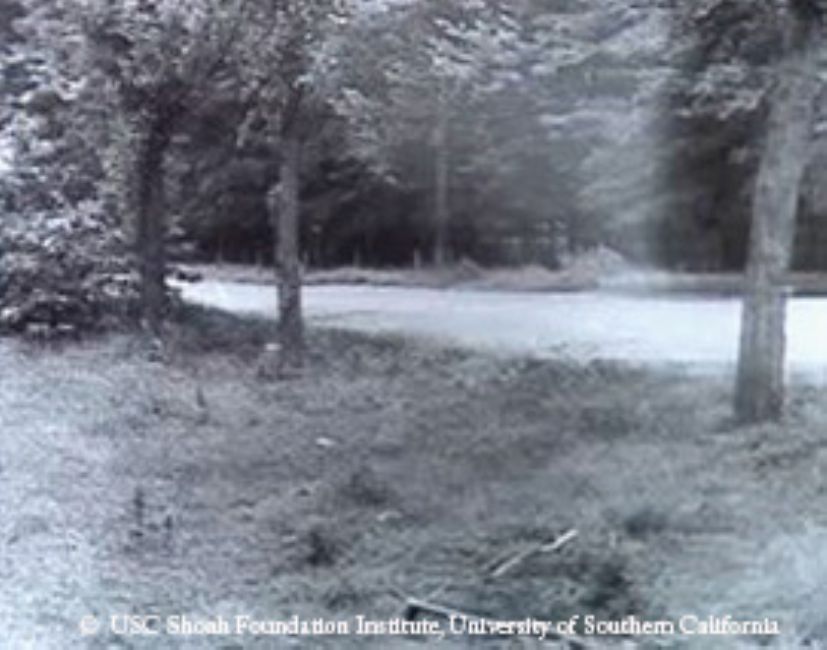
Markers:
point(548, 547)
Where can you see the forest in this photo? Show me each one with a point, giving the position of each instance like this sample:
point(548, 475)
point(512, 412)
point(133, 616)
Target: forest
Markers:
point(412, 312)
point(503, 132)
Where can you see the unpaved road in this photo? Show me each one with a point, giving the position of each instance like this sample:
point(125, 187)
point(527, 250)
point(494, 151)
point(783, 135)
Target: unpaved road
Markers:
point(700, 332)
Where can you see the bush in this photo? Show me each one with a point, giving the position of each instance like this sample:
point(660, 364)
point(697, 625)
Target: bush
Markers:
point(63, 274)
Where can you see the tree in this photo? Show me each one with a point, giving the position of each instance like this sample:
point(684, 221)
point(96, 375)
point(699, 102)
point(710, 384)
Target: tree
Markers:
point(517, 120)
point(61, 254)
point(422, 81)
point(155, 60)
point(284, 60)
point(759, 390)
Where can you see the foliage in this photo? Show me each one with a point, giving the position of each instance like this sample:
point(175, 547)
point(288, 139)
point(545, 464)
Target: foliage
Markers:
point(536, 129)
point(62, 268)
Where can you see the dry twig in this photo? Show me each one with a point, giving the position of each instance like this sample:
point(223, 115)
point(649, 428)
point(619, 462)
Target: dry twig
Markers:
point(502, 568)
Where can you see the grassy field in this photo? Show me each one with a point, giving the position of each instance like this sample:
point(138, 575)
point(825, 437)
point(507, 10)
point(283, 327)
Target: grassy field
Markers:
point(183, 484)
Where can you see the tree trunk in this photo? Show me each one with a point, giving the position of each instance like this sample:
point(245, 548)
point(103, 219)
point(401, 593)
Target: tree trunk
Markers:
point(150, 227)
point(759, 393)
point(441, 171)
point(291, 326)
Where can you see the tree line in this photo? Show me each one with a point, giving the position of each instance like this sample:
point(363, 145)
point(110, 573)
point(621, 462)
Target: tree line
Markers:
point(520, 130)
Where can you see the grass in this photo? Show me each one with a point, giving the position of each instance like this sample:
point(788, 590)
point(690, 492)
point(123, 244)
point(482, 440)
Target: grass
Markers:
point(463, 274)
point(532, 278)
point(390, 469)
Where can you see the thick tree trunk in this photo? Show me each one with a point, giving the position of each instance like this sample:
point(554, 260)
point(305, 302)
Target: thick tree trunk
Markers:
point(441, 171)
point(150, 228)
point(759, 393)
point(291, 326)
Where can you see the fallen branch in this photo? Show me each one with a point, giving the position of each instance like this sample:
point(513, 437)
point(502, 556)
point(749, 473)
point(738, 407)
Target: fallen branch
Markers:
point(501, 569)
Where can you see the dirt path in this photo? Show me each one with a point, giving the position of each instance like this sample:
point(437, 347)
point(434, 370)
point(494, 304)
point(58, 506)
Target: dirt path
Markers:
point(701, 332)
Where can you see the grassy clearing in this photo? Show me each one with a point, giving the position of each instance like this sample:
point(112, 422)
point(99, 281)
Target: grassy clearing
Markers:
point(188, 486)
